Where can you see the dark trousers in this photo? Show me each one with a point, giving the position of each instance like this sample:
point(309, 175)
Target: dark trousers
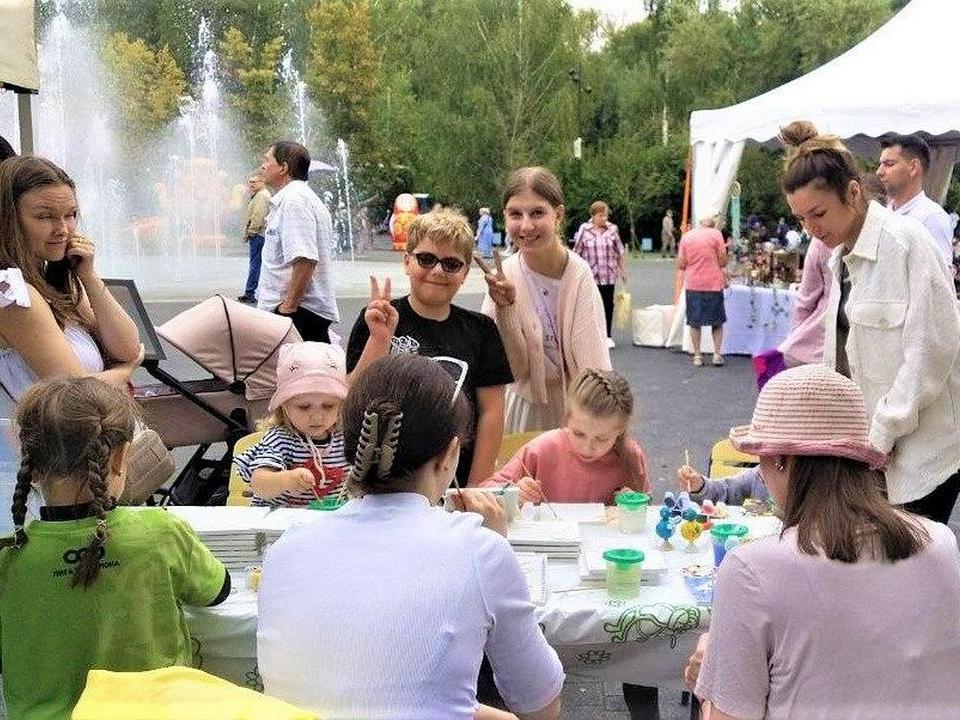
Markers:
point(606, 294)
point(938, 505)
point(253, 274)
point(310, 325)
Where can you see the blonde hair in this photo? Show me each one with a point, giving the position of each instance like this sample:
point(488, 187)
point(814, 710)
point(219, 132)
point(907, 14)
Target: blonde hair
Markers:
point(599, 207)
point(278, 418)
point(68, 429)
point(603, 394)
point(444, 226)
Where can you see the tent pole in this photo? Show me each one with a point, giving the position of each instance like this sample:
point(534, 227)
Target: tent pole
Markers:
point(685, 213)
point(26, 123)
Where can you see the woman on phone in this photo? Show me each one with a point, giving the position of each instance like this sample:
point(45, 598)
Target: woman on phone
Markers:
point(57, 317)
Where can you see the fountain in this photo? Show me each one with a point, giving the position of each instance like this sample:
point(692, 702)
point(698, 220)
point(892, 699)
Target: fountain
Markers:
point(298, 94)
point(343, 153)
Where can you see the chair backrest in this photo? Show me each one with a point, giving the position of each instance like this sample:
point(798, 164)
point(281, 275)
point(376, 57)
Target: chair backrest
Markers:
point(724, 457)
point(240, 493)
point(511, 443)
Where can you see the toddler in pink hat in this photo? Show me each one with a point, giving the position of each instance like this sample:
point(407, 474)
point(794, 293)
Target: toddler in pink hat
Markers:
point(300, 457)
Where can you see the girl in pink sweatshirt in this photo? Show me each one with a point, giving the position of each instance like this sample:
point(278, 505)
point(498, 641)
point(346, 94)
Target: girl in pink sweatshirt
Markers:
point(591, 457)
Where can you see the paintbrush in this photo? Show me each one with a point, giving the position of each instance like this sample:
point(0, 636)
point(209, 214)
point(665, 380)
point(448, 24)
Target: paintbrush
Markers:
point(543, 497)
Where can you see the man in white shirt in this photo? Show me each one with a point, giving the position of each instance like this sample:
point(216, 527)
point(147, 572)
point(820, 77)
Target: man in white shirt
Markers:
point(903, 161)
point(295, 277)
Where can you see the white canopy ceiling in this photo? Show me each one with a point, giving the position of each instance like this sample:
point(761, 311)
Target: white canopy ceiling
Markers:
point(901, 79)
point(18, 51)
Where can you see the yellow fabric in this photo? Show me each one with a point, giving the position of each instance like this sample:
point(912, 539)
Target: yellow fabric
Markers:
point(723, 452)
point(176, 693)
point(237, 486)
point(622, 305)
point(511, 443)
point(719, 470)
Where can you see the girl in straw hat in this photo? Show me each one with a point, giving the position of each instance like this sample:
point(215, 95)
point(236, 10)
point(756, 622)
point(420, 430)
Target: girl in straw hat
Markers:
point(854, 609)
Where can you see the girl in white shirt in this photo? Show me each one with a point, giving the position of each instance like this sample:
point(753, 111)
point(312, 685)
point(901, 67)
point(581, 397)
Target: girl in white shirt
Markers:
point(385, 608)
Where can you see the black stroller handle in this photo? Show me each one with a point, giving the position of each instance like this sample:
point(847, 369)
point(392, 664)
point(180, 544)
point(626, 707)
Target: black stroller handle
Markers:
point(153, 367)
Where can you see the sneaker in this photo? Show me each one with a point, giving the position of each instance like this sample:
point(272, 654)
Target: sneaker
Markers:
point(610, 343)
point(246, 299)
point(697, 360)
point(718, 360)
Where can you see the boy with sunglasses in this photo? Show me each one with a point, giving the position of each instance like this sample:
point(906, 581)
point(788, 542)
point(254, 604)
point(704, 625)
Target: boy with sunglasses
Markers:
point(439, 250)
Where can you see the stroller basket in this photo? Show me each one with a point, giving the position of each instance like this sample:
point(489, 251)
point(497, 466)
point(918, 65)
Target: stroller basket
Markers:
point(238, 345)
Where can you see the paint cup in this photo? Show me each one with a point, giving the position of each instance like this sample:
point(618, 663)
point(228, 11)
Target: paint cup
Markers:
point(632, 507)
point(720, 534)
point(328, 504)
point(623, 572)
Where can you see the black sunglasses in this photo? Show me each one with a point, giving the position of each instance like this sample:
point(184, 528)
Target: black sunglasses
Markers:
point(428, 261)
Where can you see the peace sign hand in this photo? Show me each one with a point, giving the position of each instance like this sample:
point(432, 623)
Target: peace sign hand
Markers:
point(501, 290)
point(381, 317)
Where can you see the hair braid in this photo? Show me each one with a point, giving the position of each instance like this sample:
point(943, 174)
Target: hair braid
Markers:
point(19, 506)
point(97, 459)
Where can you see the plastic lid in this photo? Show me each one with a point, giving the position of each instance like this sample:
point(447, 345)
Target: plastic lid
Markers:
point(632, 500)
point(725, 530)
point(624, 556)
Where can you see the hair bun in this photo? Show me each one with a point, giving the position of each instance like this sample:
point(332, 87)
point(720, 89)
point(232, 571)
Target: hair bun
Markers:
point(797, 133)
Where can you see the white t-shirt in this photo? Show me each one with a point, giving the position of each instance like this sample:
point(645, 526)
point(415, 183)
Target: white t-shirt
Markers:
point(799, 636)
point(298, 226)
point(384, 608)
point(934, 218)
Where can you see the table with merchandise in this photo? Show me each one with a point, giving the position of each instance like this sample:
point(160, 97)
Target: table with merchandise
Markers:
point(643, 637)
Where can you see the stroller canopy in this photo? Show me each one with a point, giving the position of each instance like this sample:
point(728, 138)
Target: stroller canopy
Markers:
point(233, 341)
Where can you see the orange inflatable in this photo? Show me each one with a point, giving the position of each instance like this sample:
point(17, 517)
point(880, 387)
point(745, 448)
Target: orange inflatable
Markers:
point(405, 209)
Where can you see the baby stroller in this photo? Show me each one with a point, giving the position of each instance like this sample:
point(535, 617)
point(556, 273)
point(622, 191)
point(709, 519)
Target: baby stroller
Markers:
point(238, 345)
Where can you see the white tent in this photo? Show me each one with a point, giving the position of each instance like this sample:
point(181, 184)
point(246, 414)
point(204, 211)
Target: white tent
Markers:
point(18, 60)
point(901, 79)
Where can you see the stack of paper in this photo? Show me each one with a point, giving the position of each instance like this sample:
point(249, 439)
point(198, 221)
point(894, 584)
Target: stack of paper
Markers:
point(232, 533)
point(534, 568)
point(555, 538)
point(594, 567)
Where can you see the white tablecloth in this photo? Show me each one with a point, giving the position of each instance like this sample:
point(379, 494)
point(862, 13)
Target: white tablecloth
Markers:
point(758, 319)
point(645, 640)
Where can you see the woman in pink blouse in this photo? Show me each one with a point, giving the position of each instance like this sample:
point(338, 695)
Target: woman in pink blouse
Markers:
point(598, 242)
point(702, 257)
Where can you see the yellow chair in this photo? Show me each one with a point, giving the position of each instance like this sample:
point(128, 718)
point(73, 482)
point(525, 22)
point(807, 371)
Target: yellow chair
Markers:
point(239, 490)
point(719, 470)
point(511, 443)
point(725, 460)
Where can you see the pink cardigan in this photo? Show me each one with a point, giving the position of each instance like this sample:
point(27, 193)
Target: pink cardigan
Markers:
point(804, 344)
point(564, 477)
point(583, 330)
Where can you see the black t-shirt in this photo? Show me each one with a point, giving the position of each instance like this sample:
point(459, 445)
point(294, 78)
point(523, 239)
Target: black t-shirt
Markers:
point(465, 335)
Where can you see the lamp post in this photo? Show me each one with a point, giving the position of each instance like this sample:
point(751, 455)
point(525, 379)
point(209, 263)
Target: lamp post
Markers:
point(576, 76)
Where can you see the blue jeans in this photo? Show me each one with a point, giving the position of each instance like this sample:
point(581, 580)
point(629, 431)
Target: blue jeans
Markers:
point(253, 275)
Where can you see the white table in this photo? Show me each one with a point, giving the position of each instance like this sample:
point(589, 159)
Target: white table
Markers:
point(758, 319)
point(645, 640)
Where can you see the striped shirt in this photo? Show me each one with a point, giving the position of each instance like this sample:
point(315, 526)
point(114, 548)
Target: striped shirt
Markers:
point(282, 449)
point(602, 249)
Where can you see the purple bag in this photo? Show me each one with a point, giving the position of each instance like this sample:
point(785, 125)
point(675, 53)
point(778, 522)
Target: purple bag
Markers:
point(766, 365)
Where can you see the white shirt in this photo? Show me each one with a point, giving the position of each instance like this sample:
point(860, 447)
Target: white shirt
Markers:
point(934, 218)
point(384, 608)
point(903, 348)
point(298, 226)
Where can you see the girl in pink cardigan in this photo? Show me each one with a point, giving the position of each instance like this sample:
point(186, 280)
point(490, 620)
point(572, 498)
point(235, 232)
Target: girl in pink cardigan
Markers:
point(545, 304)
point(589, 459)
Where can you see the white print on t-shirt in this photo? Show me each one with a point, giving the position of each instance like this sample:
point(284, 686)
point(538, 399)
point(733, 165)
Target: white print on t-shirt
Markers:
point(403, 344)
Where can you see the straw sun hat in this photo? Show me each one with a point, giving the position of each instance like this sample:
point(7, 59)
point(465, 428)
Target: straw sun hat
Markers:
point(809, 410)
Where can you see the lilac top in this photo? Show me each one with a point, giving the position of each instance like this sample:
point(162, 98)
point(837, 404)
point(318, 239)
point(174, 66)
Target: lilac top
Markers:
point(545, 292)
point(799, 636)
point(804, 344)
point(934, 218)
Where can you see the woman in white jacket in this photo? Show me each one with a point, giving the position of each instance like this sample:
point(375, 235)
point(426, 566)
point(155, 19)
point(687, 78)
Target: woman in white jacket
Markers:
point(892, 322)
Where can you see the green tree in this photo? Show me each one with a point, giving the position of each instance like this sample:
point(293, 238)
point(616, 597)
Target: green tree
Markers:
point(254, 89)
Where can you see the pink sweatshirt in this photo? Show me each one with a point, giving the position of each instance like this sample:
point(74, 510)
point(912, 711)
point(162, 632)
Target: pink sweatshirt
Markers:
point(549, 458)
point(804, 344)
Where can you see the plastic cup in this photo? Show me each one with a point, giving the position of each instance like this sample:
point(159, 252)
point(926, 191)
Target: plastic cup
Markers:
point(720, 534)
point(632, 507)
point(328, 504)
point(623, 572)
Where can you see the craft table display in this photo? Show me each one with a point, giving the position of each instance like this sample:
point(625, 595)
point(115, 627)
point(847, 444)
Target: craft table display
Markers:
point(644, 640)
point(758, 319)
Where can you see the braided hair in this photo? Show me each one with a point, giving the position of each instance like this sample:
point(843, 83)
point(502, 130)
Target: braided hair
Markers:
point(69, 427)
point(603, 394)
point(400, 413)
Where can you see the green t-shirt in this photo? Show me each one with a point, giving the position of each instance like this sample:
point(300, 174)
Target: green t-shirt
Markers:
point(129, 619)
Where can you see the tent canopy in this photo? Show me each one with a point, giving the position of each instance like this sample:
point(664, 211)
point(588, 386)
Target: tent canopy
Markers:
point(18, 51)
point(901, 79)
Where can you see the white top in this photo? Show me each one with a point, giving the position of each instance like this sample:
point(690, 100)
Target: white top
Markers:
point(799, 636)
point(903, 348)
point(934, 218)
point(298, 226)
point(384, 609)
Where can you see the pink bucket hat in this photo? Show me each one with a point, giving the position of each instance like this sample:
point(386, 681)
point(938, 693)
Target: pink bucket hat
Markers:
point(309, 367)
point(809, 410)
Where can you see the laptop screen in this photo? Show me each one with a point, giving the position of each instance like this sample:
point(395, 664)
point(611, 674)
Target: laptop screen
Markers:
point(126, 293)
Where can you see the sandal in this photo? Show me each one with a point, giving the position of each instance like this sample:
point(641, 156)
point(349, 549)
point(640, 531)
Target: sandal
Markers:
point(698, 360)
point(718, 360)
